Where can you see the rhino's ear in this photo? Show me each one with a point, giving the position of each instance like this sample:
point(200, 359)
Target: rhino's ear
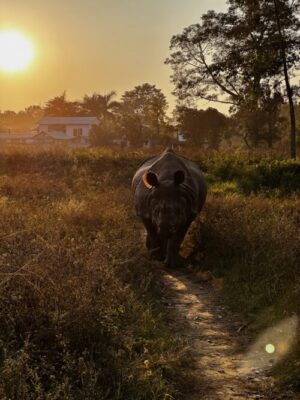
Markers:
point(178, 177)
point(150, 179)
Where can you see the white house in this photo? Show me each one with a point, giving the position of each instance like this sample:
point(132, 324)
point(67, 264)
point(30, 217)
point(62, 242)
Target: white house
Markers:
point(71, 130)
point(180, 138)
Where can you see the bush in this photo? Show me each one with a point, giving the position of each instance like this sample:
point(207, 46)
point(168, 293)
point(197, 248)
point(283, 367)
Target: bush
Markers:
point(283, 176)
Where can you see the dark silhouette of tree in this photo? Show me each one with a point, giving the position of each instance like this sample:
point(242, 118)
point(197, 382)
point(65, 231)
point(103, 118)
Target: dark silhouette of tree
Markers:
point(202, 127)
point(259, 120)
point(59, 106)
point(143, 112)
point(230, 57)
point(100, 105)
point(284, 12)
point(22, 121)
point(105, 108)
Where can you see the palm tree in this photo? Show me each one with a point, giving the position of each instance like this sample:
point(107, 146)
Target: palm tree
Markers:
point(101, 106)
point(59, 106)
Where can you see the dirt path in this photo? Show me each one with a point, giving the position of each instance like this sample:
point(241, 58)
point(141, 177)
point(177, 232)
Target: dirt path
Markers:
point(218, 343)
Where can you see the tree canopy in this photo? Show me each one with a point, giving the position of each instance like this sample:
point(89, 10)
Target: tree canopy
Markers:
point(202, 127)
point(59, 106)
point(100, 105)
point(239, 57)
point(143, 111)
point(229, 54)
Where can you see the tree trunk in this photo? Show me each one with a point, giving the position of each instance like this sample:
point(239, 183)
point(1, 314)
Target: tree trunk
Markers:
point(287, 83)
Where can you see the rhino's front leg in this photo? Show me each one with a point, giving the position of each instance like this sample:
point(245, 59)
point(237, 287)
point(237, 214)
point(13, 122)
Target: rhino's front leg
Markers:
point(152, 240)
point(173, 259)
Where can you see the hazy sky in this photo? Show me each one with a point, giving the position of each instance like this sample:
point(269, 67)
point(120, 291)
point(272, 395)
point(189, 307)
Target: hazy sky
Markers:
point(86, 46)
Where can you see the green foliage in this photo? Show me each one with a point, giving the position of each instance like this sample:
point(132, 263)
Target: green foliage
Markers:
point(281, 176)
point(254, 174)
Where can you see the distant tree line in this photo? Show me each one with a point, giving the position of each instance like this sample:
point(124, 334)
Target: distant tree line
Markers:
point(141, 114)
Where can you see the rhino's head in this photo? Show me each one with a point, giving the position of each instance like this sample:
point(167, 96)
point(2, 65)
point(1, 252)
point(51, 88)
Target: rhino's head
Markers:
point(168, 207)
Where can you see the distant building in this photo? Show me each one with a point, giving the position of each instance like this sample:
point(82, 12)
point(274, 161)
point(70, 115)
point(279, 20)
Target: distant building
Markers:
point(181, 138)
point(73, 131)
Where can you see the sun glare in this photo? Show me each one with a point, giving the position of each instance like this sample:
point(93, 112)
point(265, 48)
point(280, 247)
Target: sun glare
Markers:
point(16, 51)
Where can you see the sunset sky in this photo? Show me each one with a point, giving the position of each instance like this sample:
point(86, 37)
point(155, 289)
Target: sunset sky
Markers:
point(94, 45)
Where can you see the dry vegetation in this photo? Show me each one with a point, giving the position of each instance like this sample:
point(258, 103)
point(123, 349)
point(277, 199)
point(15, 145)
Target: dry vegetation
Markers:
point(80, 314)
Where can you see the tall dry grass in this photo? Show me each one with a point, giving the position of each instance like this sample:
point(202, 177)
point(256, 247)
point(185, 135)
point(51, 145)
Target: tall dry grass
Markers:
point(253, 245)
point(80, 313)
point(79, 302)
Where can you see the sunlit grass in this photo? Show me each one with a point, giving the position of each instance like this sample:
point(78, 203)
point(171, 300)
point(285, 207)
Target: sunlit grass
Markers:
point(80, 312)
point(79, 303)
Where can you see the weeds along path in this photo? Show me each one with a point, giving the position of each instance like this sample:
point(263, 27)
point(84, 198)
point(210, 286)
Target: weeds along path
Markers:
point(217, 343)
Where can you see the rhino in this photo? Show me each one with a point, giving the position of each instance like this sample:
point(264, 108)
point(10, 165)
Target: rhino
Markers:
point(169, 191)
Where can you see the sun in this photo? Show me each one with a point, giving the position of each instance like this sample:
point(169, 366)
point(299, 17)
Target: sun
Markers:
point(16, 51)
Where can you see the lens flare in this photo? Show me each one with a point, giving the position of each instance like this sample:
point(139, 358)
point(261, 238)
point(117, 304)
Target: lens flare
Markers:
point(270, 348)
point(16, 51)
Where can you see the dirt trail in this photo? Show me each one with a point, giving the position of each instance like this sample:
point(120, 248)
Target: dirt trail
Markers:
point(217, 341)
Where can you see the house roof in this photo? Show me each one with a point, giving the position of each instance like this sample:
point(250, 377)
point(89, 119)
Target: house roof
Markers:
point(68, 121)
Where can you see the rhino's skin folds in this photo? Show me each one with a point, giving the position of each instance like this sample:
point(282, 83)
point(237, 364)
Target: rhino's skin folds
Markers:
point(169, 191)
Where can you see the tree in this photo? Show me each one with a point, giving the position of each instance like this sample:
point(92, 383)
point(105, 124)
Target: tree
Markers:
point(100, 105)
point(230, 57)
point(103, 133)
point(59, 106)
point(260, 121)
point(202, 127)
point(286, 37)
point(22, 121)
point(105, 108)
point(143, 111)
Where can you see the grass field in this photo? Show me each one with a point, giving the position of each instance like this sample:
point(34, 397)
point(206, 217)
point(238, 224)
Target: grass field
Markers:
point(80, 309)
